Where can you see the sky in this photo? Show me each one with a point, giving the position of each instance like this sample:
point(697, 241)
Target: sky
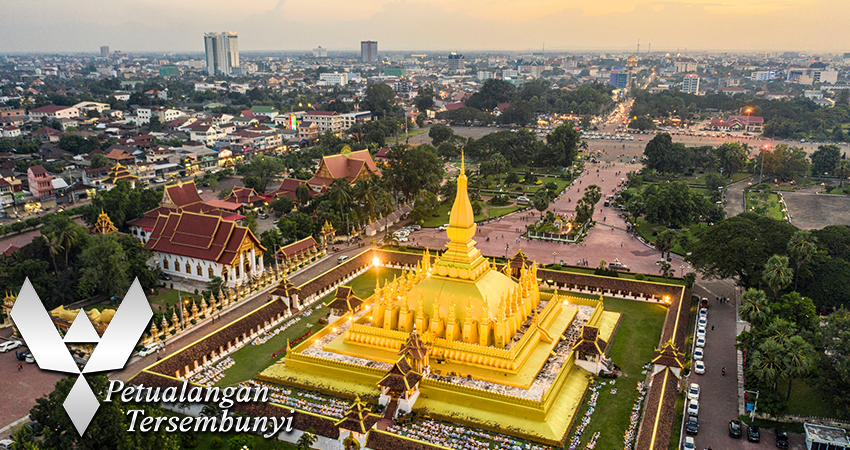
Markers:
point(428, 25)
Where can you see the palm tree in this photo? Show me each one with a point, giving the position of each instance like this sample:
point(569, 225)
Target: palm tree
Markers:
point(366, 192)
point(390, 239)
point(306, 441)
point(842, 171)
point(302, 194)
point(665, 242)
point(340, 194)
point(62, 234)
point(754, 308)
point(666, 270)
point(777, 274)
point(767, 362)
point(801, 247)
point(54, 247)
point(799, 358)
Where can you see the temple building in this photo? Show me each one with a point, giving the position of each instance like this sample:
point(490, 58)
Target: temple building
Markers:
point(198, 247)
point(118, 173)
point(350, 165)
point(460, 338)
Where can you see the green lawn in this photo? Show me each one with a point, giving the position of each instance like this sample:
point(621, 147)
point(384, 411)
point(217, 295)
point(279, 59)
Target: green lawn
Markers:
point(253, 359)
point(410, 133)
point(677, 430)
point(807, 399)
point(637, 338)
point(623, 275)
point(700, 179)
point(441, 216)
point(501, 211)
point(645, 229)
point(169, 298)
point(837, 190)
point(765, 203)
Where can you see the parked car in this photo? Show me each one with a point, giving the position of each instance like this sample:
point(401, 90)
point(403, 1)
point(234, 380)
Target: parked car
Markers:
point(698, 354)
point(693, 408)
point(781, 438)
point(735, 428)
point(702, 322)
point(753, 433)
point(703, 313)
point(149, 349)
point(699, 367)
point(22, 355)
point(693, 392)
point(689, 444)
point(701, 332)
point(703, 303)
point(341, 259)
point(443, 227)
point(264, 216)
point(9, 345)
point(700, 342)
point(523, 199)
point(415, 227)
point(164, 276)
point(692, 425)
point(403, 239)
point(6, 444)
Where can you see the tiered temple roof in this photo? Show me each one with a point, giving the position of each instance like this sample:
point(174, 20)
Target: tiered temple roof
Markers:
point(401, 377)
point(118, 173)
point(103, 225)
point(590, 342)
point(345, 300)
point(200, 236)
point(359, 418)
point(669, 355)
point(413, 347)
point(350, 165)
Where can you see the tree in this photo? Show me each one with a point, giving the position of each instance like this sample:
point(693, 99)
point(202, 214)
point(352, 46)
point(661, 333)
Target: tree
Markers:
point(834, 363)
point(307, 439)
point(98, 161)
point(587, 204)
point(731, 156)
point(155, 126)
point(777, 275)
point(541, 200)
point(825, 159)
point(366, 192)
point(492, 92)
point(380, 99)
point(665, 241)
point(440, 134)
point(241, 442)
point(414, 169)
point(562, 145)
point(424, 99)
point(520, 112)
point(250, 221)
point(282, 205)
point(302, 193)
point(785, 163)
point(842, 171)
point(739, 247)
point(802, 247)
point(340, 194)
point(264, 169)
point(659, 153)
point(108, 428)
point(666, 270)
point(104, 268)
point(642, 123)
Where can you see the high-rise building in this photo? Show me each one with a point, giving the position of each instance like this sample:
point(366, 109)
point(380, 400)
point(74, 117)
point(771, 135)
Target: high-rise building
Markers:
point(368, 51)
point(620, 77)
point(690, 84)
point(222, 50)
point(320, 52)
point(455, 61)
point(104, 51)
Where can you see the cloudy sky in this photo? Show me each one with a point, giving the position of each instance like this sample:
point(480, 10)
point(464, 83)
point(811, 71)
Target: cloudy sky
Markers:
point(465, 25)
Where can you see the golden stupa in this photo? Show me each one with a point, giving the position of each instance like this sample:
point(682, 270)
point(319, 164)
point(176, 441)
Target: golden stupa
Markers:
point(464, 298)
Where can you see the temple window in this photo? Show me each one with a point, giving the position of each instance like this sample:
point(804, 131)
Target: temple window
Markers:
point(200, 272)
point(165, 264)
point(211, 272)
point(188, 268)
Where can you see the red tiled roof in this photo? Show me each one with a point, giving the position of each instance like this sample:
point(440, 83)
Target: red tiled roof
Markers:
point(230, 206)
point(200, 236)
point(38, 170)
point(298, 247)
point(183, 194)
point(454, 106)
point(50, 109)
point(48, 131)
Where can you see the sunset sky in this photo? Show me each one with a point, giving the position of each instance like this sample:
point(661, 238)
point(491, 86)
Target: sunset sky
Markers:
point(467, 25)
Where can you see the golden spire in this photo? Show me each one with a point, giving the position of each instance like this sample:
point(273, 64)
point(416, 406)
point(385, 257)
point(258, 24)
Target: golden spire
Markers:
point(461, 252)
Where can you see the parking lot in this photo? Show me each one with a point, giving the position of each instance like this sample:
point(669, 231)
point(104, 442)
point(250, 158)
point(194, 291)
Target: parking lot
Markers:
point(19, 389)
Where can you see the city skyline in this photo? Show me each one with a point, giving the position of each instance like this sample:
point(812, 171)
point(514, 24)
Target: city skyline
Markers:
point(267, 25)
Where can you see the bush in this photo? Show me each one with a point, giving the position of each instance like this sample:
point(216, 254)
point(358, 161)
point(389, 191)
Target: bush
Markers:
point(606, 272)
point(476, 208)
point(18, 226)
point(500, 200)
point(216, 442)
point(189, 440)
point(640, 276)
point(242, 440)
point(556, 267)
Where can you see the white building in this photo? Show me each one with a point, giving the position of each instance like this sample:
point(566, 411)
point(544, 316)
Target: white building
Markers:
point(143, 115)
point(325, 120)
point(484, 75)
point(690, 84)
point(320, 52)
point(54, 112)
point(222, 52)
point(763, 75)
point(332, 79)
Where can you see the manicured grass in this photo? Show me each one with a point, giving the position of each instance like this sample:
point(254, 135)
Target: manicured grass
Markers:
point(410, 133)
point(677, 422)
point(561, 184)
point(735, 177)
point(253, 359)
point(623, 275)
point(636, 339)
point(501, 211)
point(169, 298)
point(837, 191)
point(766, 204)
point(807, 399)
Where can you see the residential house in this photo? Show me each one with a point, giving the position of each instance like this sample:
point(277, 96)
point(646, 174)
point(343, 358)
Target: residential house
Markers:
point(54, 112)
point(40, 182)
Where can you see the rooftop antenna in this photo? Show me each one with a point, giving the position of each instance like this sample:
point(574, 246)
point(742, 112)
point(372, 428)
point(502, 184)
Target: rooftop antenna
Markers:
point(638, 46)
point(649, 50)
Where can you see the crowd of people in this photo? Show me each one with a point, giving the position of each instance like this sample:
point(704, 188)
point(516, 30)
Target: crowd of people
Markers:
point(211, 374)
point(304, 401)
point(265, 338)
point(631, 432)
point(460, 437)
point(575, 441)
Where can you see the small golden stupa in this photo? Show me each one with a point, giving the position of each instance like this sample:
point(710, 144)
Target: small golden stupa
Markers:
point(103, 225)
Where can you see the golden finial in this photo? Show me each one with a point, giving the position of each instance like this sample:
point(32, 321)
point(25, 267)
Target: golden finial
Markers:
point(462, 163)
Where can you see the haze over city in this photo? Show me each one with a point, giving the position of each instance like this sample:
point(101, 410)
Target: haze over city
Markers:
point(280, 25)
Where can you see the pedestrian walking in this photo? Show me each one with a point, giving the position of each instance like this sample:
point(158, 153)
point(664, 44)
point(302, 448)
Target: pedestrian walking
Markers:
point(712, 328)
point(20, 367)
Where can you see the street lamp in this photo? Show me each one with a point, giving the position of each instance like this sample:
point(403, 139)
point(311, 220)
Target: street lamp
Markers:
point(748, 111)
point(683, 270)
point(554, 254)
point(764, 150)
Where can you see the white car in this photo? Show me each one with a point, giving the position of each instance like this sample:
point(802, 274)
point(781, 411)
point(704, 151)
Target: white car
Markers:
point(523, 199)
point(443, 227)
point(9, 345)
point(699, 367)
point(403, 239)
point(693, 408)
point(701, 332)
point(702, 322)
point(693, 392)
point(148, 350)
point(6, 444)
point(700, 342)
point(703, 313)
point(698, 355)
